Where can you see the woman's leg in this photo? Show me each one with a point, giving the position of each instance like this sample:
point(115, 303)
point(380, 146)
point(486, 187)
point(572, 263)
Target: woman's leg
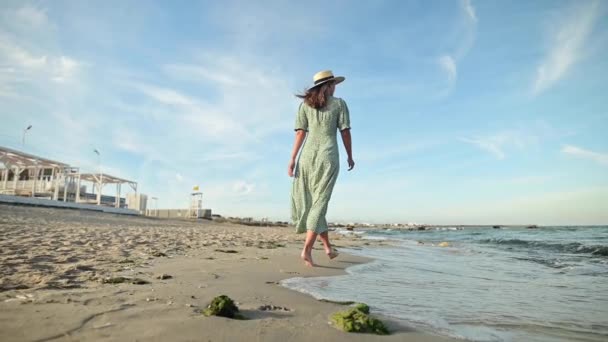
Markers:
point(325, 238)
point(331, 253)
point(306, 255)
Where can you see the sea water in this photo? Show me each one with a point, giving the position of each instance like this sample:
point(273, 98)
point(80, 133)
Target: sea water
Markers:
point(508, 284)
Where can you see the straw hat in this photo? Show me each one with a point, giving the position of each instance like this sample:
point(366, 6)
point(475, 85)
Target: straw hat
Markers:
point(324, 77)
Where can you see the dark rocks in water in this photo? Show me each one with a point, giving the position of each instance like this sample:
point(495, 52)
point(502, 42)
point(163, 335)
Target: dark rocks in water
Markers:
point(350, 228)
point(421, 228)
point(532, 226)
point(358, 320)
point(345, 302)
point(496, 227)
point(601, 251)
point(223, 306)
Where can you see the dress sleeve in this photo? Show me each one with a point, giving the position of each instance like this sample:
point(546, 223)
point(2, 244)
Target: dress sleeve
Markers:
point(301, 120)
point(344, 117)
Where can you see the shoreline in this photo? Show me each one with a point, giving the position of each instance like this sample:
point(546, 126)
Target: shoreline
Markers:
point(166, 309)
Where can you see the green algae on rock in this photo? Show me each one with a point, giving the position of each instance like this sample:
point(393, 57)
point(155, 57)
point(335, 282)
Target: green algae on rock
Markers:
point(362, 307)
point(223, 306)
point(358, 320)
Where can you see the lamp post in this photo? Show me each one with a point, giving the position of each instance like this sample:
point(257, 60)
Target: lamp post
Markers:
point(23, 137)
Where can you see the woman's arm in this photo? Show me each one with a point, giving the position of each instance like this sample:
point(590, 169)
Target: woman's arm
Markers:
point(347, 140)
point(300, 135)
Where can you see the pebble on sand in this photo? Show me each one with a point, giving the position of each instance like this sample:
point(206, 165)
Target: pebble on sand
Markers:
point(273, 308)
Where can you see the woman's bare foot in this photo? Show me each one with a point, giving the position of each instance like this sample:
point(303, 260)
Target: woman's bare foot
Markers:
point(307, 259)
point(332, 253)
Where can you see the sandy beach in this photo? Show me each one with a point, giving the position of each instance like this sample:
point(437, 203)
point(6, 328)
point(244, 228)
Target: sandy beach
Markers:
point(54, 263)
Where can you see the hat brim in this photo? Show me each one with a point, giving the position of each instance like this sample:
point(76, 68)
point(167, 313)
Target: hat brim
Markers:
point(336, 80)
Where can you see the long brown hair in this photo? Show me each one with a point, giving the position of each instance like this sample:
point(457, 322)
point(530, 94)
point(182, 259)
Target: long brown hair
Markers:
point(316, 97)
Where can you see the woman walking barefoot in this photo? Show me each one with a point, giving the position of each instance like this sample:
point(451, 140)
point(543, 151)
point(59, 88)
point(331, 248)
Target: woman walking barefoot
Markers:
point(319, 118)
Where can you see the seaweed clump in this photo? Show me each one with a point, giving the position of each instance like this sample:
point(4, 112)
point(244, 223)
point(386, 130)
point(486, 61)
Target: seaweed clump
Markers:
point(223, 306)
point(362, 307)
point(358, 320)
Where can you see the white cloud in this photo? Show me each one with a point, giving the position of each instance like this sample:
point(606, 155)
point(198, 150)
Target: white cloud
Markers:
point(251, 99)
point(32, 16)
point(128, 140)
point(489, 145)
point(467, 6)
point(529, 180)
point(195, 115)
point(567, 46)
point(192, 72)
point(601, 158)
point(20, 57)
point(179, 178)
point(27, 48)
point(448, 65)
point(448, 62)
point(382, 152)
point(497, 143)
point(40, 66)
point(65, 69)
point(165, 95)
point(243, 188)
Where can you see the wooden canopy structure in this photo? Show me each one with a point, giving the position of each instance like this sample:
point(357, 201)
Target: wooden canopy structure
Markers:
point(99, 180)
point(31, 175)
point(24, 174)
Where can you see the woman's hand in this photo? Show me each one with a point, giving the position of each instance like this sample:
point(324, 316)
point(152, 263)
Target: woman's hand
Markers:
point(351, 164)
point(300, 136)
point(291, 167)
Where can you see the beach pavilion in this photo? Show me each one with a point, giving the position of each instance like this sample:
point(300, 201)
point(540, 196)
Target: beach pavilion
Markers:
point(99, 180)
point(24, 174)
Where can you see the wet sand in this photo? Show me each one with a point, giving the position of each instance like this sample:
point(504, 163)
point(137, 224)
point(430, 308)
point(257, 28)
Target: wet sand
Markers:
point(54, 263)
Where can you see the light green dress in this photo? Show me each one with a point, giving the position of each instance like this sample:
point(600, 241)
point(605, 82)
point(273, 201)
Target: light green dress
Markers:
point(317, 168)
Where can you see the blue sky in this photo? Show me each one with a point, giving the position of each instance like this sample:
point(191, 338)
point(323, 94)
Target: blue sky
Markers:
point(462, 111)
